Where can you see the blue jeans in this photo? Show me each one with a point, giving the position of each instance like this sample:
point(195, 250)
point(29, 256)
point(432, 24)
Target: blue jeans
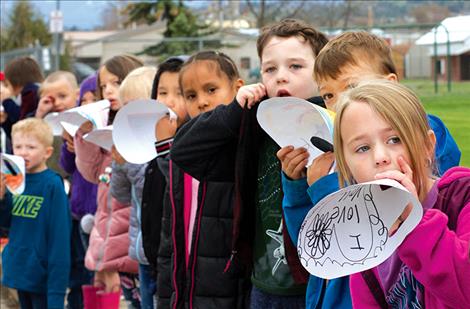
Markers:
point(262, 300)
point(148, 287)
point(29, 300)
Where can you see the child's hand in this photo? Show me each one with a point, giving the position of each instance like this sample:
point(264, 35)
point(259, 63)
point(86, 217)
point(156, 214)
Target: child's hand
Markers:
point(165, 128)
point(404, 176)
point(3, 114)
point(109, 280)
point(68, 141)
point(250, 94)
point(117, 156)
point(86, 127)
point(3, 188)
point(320, 167)
point(293, 161)
point(45, 106)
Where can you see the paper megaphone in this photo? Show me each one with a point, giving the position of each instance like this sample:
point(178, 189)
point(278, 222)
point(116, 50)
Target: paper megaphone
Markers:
point(355, 228)
point(13, 169)
point(134, 129)
point(293, 121)
point(73, 118)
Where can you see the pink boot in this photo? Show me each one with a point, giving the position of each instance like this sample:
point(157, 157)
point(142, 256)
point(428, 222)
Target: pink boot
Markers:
point(89, 296)
point(108, 300)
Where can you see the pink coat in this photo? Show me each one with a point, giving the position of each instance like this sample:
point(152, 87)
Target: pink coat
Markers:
point(438, 257)
point(109, 240)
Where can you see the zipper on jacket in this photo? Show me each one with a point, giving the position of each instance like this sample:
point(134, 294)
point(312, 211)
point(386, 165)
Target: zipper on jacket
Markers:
point(173, 234)
point(195, 245)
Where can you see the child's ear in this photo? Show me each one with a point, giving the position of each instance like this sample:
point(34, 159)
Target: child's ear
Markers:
point(392, 77)
point(432, 143)
point(239, 83)
point(49, 151)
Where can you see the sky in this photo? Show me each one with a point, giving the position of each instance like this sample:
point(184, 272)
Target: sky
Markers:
point(84, 14)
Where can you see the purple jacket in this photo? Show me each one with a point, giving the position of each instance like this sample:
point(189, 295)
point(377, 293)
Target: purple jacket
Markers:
point(83, 193)
point(437, 250)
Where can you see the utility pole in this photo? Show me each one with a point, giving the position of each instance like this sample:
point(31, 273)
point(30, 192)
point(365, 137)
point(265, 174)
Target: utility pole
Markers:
point(56, 26)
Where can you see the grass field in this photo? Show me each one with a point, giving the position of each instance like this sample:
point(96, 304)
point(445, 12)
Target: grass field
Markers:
point(453, 108)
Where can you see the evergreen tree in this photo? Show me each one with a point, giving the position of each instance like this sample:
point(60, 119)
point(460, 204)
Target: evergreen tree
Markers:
point(24, 28)
point(180, 22)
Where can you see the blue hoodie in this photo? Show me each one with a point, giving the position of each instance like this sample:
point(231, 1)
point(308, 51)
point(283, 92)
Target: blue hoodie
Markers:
point(299, 199)
point(37, 256)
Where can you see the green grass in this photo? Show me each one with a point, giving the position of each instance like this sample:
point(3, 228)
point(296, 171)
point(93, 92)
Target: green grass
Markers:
point(452, 107)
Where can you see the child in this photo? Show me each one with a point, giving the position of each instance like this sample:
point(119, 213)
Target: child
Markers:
point(356, 56)
point(230, 137)
point(36, 260)
point(381, 131)
point(82, 202)
point(88, 90)
point(22, 76)
point(58, 92)
point(165, 89)
point(107, 253)
point(344, 61)
point(197, 215)
point(128, 181)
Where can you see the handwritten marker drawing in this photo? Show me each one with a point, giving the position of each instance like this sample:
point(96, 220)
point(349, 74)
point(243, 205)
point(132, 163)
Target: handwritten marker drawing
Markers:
point(347, 231)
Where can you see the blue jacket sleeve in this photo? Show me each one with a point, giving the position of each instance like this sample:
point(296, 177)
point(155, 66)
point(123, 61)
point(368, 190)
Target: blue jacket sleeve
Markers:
point(59, 233)
point(295, 204)
point(5, 211)
point(447, 152)
point(322, 187)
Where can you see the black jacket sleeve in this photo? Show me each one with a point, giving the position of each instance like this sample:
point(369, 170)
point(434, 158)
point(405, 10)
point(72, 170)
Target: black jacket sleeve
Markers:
point(205, 147)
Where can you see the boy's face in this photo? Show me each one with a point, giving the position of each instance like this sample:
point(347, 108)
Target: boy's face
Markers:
point(287, 68)
point(61, 93)
point(34, 153)
point(169, 93)
point(15, 91)
point(350, 76)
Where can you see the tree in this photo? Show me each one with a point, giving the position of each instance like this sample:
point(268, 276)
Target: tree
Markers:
point(430, 13)
point(25, 28)
point(265, 12)
point(180, 25)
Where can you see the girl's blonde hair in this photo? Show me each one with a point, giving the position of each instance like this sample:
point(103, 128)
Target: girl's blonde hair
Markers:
point(400, 108)
point(137, 84)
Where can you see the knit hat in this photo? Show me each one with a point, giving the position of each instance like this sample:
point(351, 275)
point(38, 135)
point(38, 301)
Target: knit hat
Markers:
point(88, 84)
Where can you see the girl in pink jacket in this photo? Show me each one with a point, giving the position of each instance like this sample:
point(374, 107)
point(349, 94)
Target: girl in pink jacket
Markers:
point(380, 132)
point(107, 254)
